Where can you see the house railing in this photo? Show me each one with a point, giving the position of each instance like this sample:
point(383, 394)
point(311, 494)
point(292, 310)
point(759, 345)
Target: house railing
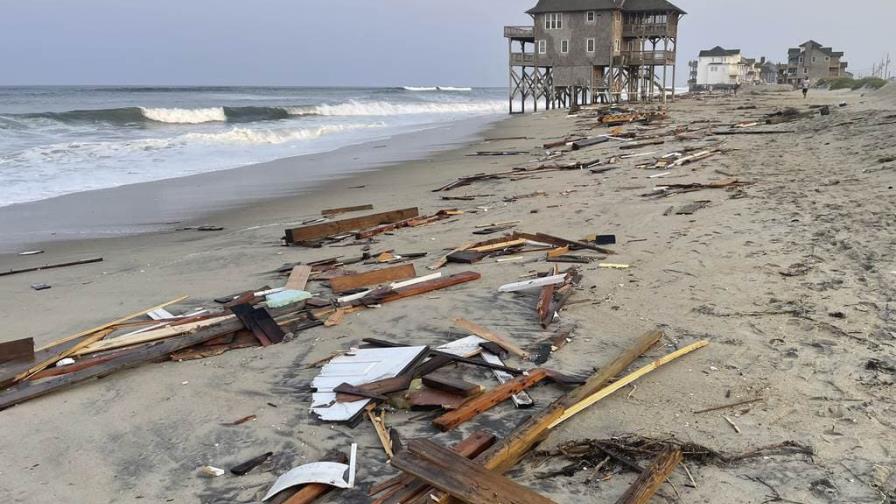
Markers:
point(522, 59)
point(519, 32)
point(645, 57)
point(635, 30)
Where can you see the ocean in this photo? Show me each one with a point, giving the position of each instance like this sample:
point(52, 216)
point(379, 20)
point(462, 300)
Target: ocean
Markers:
point(63, 140)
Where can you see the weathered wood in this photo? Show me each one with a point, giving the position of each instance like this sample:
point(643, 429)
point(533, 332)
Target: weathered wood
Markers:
point(501, 245)
point(109, 324)
point(561, 242)
point(18, 350)
point(452, 385)
point(470, 447)
point(606, 391)
point(488, 400)
point(336, 211)
point(544, 308)
point(87, 341)
point(147, 353)
point(484, 333)
point(445, 355)
point(511, 448)
point(643, 143)
point(426, 397)
point(319, 231)
point(52, 266)
point(298, 279)
point(461, 477)
point(244, 468)
point(589, 142)
point(256, 320)
point(432, 285)
point(349, 282)
point(647, 484)
point(444, 259)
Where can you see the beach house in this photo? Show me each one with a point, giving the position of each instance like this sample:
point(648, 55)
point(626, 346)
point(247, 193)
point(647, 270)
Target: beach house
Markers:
point(584, 51)
point(813, 61)
point(720, 68)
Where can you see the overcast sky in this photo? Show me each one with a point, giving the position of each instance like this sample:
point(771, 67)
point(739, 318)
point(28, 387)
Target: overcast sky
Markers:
point(369, 42)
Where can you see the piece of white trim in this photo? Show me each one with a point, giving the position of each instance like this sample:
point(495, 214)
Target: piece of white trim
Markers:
point(533, 284)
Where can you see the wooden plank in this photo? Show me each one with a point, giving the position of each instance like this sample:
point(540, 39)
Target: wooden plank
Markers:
point(447, 355)
point(375, 277)
point(426, 397)
point(452, 385)
point(606, 391)
point(109, 324)
point(247, 316)
point(18, 350)
point(647, 484)
point(494, 247)
point(470, 447)
point(488, 400)
point(336, 211)
point(444, 259)
point(432, 285)
point(484, 333)
point(298, 279)
point(544, 308)
point(318, 231)
point(561, 242)
point(522, 400)
point(52, 266)
point(512, 447)
point(147, 337)
point(461, 477)
point(147, 353)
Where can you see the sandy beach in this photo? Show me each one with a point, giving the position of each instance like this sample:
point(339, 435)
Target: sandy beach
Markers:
point(790, 277)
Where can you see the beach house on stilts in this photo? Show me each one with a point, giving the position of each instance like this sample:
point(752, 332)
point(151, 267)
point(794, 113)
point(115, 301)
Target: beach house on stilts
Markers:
point(590, 51)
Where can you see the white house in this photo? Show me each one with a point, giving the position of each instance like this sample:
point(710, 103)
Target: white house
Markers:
point(721, 68)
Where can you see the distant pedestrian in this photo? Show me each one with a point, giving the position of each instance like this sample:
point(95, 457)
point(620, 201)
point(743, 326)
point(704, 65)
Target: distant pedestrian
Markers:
point(805, 88)
point(736, 87)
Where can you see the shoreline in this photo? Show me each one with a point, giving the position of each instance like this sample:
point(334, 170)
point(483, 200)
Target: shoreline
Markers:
point(162, 206)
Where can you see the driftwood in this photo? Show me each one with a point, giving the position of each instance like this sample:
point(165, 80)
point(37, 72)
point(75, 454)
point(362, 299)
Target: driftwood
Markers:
point(488, 400)
point(52, 266)
point(652, 479)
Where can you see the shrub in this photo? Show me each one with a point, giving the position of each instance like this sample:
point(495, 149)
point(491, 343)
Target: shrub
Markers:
point(850, 83)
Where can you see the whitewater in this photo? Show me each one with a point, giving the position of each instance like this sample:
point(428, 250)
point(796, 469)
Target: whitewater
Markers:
point(56, 141)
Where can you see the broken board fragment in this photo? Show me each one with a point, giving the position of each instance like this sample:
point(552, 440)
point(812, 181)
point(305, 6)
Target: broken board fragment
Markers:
point(327, 473)
point(316, 232)
point(348, 282)
point(18, 350)
point(336, 211)
point(488, 400)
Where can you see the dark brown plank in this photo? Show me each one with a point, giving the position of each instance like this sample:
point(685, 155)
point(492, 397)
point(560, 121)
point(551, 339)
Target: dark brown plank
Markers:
point(375, 277)
point(452, 385)
point(432, 285)
point(319, 231)
point(17, 351)
point(52, 266)
point(461, 477)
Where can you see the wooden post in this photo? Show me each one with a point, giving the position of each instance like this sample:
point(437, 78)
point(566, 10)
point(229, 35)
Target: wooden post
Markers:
point(647, 484)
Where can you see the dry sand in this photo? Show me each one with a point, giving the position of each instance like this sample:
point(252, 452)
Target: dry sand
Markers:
point(821, 207)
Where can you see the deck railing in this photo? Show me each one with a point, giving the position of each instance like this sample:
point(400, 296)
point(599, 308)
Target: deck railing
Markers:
point(519, 32)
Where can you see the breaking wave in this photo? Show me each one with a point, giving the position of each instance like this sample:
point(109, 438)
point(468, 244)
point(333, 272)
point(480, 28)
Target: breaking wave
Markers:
point(138, 115)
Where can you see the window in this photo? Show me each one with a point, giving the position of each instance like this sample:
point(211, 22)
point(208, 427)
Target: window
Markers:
point(589, 45)
point(553, 21)
point(813, 59)
point(542, 47)
point(589, 17)
point(616, 45)
point(564, 46)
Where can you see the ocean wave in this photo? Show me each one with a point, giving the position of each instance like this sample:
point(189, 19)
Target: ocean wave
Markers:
point(415, 88)
point(450, 88)
point(184, 116)
point(247, 114)
point(382, 108)
point(273, 136)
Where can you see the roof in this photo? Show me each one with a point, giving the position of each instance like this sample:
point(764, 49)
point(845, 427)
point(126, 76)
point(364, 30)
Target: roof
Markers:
point(544, 6)
point(719, 51)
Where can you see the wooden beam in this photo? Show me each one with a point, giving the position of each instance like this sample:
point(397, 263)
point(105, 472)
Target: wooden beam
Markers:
point(432, 285)
point(336, 211)
point(52, 266)
point(444, 259)
point(18, 350)
point(461, 477)
point(511, 448)
point(484, 333)
point(298, 279)
point(452, 385)
point(147, 337)
point(488, 400)
point(606, 391)
point(348, 282)
point(319, 231)
point(647, 484)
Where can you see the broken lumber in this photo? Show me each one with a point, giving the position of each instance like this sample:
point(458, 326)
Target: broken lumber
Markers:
point(52, 266)
point(460, 477)
point(146, 337)
point(647, 484)
point(18, 350)
point(336, 211)
point(316, 232)
point(298, 278)
point(444, 260)
point(603, 393)
point(505, 342)
point(429, 286)
point(536, 283)
point(349, 282)
point(452, 385)
point(588, 142)
point(488, 400)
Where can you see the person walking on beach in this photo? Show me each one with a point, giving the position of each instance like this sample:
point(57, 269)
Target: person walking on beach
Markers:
point(736, 87)
point(805, 88)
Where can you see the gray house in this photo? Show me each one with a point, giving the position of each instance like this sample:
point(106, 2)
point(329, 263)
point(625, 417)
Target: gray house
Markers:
point(813, 61)
point(582, 51)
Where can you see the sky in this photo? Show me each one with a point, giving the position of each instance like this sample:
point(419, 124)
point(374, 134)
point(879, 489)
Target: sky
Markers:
point(370, 42)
